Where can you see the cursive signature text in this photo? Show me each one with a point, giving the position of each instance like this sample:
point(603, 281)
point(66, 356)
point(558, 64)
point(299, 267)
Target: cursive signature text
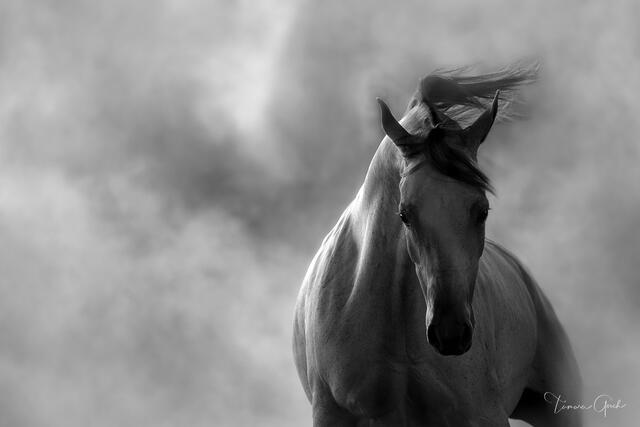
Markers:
point(600, 404)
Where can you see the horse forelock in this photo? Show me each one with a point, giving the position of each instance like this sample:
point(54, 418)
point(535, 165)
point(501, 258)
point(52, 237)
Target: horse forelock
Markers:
point(417, 120)
point(445, 156)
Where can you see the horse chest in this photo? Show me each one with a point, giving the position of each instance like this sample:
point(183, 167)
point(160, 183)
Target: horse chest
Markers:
point(391, 389)
point(358, 365)
point(377, 371)
point(372, 378)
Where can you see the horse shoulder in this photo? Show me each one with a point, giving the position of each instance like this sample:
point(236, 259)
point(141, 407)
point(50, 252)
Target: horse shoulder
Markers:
point(550, 332)
point(555, 365)
point(343, 344)
point(323, 293)
point(508, 314)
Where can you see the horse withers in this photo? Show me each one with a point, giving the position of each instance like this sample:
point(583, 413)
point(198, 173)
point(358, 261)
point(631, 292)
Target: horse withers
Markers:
point(408, 315)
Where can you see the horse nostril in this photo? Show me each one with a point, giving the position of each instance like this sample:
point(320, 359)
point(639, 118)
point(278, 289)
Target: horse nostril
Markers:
point(452, 341)
point(467, 335)
point(432, 336)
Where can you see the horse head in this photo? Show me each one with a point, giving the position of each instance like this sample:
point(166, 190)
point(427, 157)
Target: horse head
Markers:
point(443, 206)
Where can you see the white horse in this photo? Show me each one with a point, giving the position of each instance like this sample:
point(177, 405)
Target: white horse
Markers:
point(407, 314)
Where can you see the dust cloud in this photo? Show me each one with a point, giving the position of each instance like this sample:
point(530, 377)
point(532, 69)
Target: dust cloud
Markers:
point(167, 170)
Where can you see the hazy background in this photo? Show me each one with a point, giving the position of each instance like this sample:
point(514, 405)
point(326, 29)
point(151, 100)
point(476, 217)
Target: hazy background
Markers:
point(168, 169)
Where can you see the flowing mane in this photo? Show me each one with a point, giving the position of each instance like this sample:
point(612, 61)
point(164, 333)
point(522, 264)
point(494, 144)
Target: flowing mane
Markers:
point(462, 96)
point(458, 99)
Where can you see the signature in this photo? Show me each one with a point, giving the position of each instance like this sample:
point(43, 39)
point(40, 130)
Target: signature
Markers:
point(600, 404)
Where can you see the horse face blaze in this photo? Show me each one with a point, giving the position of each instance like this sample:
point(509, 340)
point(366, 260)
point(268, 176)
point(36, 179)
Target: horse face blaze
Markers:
point(444, 223)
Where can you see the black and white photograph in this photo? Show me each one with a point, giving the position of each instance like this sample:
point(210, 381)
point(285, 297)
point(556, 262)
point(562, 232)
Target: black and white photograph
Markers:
point(289, 213)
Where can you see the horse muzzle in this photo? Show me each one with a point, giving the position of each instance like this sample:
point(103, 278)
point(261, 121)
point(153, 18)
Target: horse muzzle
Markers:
point(450, 337)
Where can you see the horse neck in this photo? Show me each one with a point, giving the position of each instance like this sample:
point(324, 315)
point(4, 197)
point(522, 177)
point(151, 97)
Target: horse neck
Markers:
point(384, 277)
point(377, 201)
point(375, 210)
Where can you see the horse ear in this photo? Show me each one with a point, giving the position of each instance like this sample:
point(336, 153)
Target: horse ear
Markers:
point(392, 128)
point(478, 131)
point(407, 143)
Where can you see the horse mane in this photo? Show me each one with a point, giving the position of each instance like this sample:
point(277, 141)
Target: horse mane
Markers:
point(462, 96)
point(458, 99)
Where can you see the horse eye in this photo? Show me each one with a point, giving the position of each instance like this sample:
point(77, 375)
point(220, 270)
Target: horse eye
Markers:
point(482, 215)
point(403, 217)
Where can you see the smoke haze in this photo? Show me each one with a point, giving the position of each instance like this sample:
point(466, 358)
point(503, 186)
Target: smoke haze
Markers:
point(168, 169)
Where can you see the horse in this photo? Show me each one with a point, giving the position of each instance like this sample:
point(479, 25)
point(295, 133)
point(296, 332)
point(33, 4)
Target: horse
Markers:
point(408, 315)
